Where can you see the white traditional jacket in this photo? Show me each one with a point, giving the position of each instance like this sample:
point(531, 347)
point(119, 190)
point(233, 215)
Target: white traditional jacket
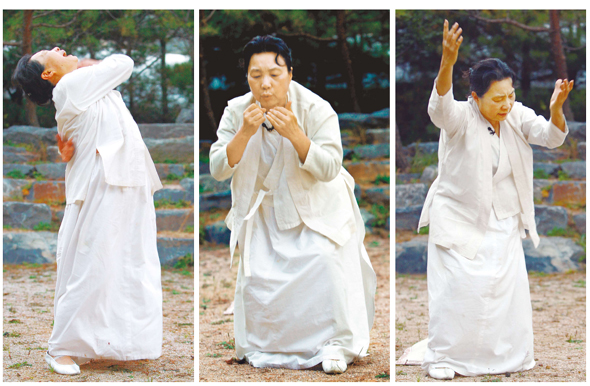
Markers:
point(93, 114)
point(459, 201)
point(317, 193)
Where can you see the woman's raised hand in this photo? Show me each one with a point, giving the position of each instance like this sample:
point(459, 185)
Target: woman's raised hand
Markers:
point(253, 118)
point(451, 42)
point(560, 93)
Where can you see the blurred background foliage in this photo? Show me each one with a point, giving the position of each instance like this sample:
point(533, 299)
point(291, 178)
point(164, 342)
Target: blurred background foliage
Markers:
point(161, 43)
point(523, 39)
point(354, 82)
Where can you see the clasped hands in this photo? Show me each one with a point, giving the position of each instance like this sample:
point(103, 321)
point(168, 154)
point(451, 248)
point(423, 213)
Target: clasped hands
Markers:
point(282, 120)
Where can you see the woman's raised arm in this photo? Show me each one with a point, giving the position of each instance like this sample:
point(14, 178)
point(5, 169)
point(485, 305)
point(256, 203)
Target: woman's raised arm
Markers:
point(451, 42)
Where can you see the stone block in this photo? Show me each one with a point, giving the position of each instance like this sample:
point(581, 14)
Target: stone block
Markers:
point(406, 178)
point(217, 233)
point(166, 130)
point(186, 115)
point(372, 151)
point(549, 168)
point(37, 137)
point(204, 168)
point(369, 220)
point(376, 136)
point(577, 131)
point(25, 215)
point(24, 170)
point(178, 150)
point(411, 256)
point(580, 221)
point(582, 150)
point(410, 195)
point(575, 170)
point(47, 192)
point(29, 247)
point(568, 192)
point(541, 188)
point(13, 154)
point(188, 184)
point(174, 219)
point(171, 249)
point(52, 171)
point(554, 254)
point(423, 148)
point(13, 188)
point(358, 192)
point(208, 184)
point(367, 172)
point(171, 194)
point(548, 217)
point(164, 170)
point(429, 174)
point(378, 195)
point(407, 218)
point(221, 200)
point(53, 154)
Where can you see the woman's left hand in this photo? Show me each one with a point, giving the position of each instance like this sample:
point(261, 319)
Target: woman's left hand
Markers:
point(285, 123)
point(560, 93)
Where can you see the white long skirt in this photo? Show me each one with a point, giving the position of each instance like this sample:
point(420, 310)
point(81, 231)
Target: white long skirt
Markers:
point(108, 295)
point(307, 300)
point(480, 310)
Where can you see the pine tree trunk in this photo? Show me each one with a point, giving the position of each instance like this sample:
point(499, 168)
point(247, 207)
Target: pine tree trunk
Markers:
point(401, 164)
point(559, 58)
point(27, 48)
point(204, 83)
point(164, 80)
point(341, 32)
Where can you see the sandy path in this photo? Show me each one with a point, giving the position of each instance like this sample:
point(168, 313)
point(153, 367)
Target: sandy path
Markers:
point(559, 324)
point(28, 315)
point(217, 286)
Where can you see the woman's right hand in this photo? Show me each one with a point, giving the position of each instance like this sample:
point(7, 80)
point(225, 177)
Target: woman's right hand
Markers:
point(66, 149)
point(451, 42)
point(253, 118)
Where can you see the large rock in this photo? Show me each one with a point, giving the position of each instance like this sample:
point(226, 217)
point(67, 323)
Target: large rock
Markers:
point(177, 150)
point(376, 136)
point(24, 170)
point(217, 233)
point(12, 154)
point(188, 184)
point(580, 221)
point(366, 172)
point(429, 174)
point(575, 170)
point(47, 191)
point(407, 218)
point(53, 154)
point(548, 217)
point(569, 192)
point(172, 194)
point(171, 249)
point(358, 192)
point(378, 195)
point(406, 178)
point(410, 195)
point(541, 188)
point(29, 247)
point(221, 200)
point(541, 154)
point(411, 256)
point(52, 171)
point(577, 131)
point(164, 170)
point(25, 215)
point(186, 115)
point(372, 151)
point(549, 168)
point(554, 254)
point(369, 220)
point(582, 150)
point(166, 130)
point(208, 184)
point(422, 147)
point(174, 219)
point(13, 188)
point(377, 119)
point(38, 137)
point(204, 168)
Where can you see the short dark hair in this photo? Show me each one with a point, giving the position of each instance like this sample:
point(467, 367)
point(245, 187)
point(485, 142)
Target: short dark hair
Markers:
point(27, 76)
point(267, 43)
point(484, 72)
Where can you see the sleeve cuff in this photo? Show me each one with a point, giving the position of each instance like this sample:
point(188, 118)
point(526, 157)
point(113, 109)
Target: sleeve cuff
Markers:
point(311, 153)
point(556, 133)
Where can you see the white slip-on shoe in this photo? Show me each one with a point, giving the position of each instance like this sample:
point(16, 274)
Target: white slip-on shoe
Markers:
point(441, 373)
point(332, 366)
point(72, 369)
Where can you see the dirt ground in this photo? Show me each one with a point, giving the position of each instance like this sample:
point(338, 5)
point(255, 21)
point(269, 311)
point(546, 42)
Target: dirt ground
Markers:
point(216, 331)
point(559, 325)
point(28, 316)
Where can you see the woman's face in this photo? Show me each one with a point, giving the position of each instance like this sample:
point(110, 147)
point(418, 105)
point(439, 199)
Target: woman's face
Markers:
point(497, 102)
point(56, 62)
point(269, 81)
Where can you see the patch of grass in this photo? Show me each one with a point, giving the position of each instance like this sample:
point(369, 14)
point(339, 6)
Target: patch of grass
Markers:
point(580, 283)
point(400, 372)
point(563, 176)
point(488, 378)
point(36, 348)
point(16, 174)
point(19, 365)
point(118, 368)
point(42, 226)
point(169, 161)
point(571, 340)
point(374, 244)
point(582, 242)
point(11, 334)
point(420, 161)
point(540, 174)
point(400, 326)
point(173, 177)
point(423, 230)
point(175, 292)
point(222, 322)
point(185, 261)
point(355, 157)
point(213, 355)
point(568, 232)
point(381, 179)
point(203, 158)
point(166, 203)
point(14, 321)
point(537, 274)
point(382, 375)
point(38, 176)
point(190, 229)
point(184, 324)
point(381, 214)
point(228, 345)
point(6, 227)
point(186, 273)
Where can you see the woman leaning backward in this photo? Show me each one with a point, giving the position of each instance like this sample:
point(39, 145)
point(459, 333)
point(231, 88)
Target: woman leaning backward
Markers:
point(108, 296)
point(478, 209)
point(305, 288)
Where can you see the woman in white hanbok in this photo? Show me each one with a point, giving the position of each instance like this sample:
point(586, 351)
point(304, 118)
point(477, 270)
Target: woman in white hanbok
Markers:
point(478, 209)
point(108, 297)
point(305, 288)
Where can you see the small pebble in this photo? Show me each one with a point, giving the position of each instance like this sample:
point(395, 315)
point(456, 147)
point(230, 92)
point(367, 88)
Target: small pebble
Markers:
point(508, 375)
